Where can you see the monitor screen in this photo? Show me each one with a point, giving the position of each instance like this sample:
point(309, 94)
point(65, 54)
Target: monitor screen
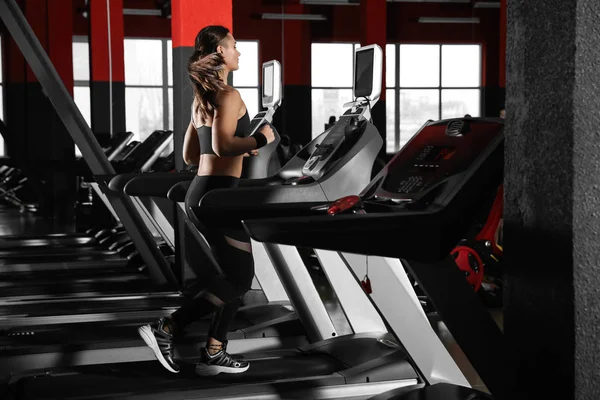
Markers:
point(363, 76)
point(268, 81)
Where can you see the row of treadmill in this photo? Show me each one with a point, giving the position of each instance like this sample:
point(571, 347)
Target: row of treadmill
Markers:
point(70, 304)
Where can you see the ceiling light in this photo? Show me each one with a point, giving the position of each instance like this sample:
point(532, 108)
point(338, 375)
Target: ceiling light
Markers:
point(442, 20)
point(297, 17)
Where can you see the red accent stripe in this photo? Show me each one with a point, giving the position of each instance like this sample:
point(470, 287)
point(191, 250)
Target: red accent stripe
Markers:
point(15, 63)
point(189, 16)
point(99, 41)
point(373, 26)
point(60, 38)
point(295, 57)
point(35, 12)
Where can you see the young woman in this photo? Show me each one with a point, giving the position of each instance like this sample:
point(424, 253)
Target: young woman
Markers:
point(216, 140)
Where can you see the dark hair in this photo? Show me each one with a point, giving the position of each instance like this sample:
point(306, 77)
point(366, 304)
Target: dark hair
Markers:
point(204, 67)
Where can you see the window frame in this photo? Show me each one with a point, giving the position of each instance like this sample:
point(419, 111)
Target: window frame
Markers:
point(355, 45)
point(167, 85)
point(440, 88)
point(258, 78)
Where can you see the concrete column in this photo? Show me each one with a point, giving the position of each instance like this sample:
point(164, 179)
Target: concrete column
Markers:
point(552, 200)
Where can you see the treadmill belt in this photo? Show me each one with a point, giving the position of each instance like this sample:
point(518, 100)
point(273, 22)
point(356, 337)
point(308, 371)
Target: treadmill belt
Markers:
point(59, 255)
point(42, 242)
point(54, 269)
point(151, 380)
point(56, 251)
point(74, 306)
point(62, 288)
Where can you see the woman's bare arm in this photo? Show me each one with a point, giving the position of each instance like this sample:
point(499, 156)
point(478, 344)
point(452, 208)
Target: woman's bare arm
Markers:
point(225, 120)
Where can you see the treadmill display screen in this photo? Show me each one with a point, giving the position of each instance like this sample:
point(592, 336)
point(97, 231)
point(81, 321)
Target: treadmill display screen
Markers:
point(433, 155)
point(363, 73)
point(421, 172)
point(268, 82)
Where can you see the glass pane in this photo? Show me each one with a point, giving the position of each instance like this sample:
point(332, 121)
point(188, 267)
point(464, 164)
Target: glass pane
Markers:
point(81, 61)
point(170, 61)
point(323, 56)
point(247, 75)
point(461, 66)
point(143, 62)
point(325, 104)
point(81, 96)
point(390, 65)
point(416, 107)
point(458, 102)
point(419, 65)
point(250, 97)
point(390, 121)
point(143, 111)
point(171, 109)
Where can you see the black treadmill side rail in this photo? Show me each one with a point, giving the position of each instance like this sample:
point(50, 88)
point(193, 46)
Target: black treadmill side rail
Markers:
point(84, 138)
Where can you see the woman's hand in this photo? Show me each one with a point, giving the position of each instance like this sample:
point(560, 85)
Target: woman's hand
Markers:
point(251, 153)
point(268, 132)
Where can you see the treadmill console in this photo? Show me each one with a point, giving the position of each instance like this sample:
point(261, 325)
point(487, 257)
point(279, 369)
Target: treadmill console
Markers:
point(430, 160)
point(146, 153)
point(260, 119)
point(126, 151)
point(342, 135)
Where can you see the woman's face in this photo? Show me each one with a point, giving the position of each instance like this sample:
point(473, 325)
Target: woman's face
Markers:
point(230, 54)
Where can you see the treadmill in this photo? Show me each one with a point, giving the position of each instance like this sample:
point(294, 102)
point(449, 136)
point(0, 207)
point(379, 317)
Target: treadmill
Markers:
point(36, 314)
point(343, 150)
point(417, 209)
point(357, 365)
point(92, 254)
point(158, 185)
point(114, 148)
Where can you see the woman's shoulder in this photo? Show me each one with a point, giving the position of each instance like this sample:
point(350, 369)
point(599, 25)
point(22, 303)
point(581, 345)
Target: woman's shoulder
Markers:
point(230, 96)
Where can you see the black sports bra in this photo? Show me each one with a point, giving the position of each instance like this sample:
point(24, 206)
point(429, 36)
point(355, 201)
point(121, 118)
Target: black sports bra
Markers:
point(205, 134)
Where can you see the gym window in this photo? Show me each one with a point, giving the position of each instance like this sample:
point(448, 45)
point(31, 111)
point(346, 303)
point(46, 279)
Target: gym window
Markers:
point(422, 82)
point(147, 86)
point(81, 77)
point(245, 79)
point(331, 88)
point(149, 82)
point(431, 82)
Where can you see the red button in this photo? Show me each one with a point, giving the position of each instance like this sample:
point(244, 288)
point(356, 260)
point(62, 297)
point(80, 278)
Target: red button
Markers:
point(343, 204)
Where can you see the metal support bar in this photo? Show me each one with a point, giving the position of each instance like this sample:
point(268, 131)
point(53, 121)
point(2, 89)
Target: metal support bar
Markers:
point(467, 319)
point(302, 292)
point(265, 274)
point(357, 307)
point(84, 138)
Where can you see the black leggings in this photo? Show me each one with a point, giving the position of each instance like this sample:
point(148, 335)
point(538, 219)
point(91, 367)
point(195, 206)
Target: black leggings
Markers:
point(222, 295)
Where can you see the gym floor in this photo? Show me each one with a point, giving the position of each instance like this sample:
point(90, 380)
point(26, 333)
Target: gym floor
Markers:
point(12, 222)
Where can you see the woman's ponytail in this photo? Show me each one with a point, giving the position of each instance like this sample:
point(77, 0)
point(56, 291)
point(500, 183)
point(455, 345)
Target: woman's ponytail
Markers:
point(205, 76)
point(205, 67)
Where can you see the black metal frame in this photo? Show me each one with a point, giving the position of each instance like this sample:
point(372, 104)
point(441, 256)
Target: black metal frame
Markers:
point(84, 138)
